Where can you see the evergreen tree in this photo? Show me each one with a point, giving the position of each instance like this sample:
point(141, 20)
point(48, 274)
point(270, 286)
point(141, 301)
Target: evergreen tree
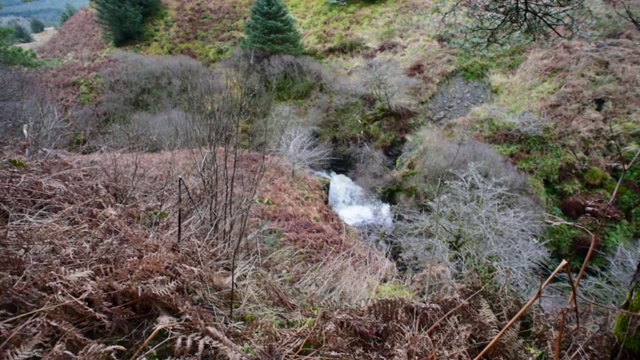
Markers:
point(37, 26)
point(271, 30)
point(21, 34)
point(125, 20)
point(68, 12)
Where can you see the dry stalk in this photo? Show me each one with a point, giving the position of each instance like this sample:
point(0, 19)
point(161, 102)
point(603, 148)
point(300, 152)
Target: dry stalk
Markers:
point(524, 309)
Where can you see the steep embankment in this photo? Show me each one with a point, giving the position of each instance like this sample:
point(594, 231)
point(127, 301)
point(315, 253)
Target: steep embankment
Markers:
point(81, 48)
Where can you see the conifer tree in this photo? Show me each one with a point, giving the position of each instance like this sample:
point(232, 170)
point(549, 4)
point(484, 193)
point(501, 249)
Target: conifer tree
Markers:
point(271, 30)
point(69, 11)
point(125, 20)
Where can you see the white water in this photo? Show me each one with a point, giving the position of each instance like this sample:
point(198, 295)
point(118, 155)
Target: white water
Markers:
point(354, 206)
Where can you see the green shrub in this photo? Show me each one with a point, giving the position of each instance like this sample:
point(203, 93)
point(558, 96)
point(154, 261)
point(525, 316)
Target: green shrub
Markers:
point(595, 177)
point(626, 323)
point(21, 34)
point(10, 55)
point(37, 26)
point(347, 45)
point(560, 242)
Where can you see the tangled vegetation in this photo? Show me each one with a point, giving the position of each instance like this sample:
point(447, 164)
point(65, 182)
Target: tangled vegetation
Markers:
point(155, 203)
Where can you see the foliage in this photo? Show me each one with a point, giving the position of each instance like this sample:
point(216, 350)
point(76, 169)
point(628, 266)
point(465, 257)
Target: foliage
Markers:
point(69, 11)
point(126, 20)
point(10, 55)
point(21, 34)
point(271, 30)
point(37, 26)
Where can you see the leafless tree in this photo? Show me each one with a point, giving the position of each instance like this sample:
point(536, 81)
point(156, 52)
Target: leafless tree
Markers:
point(496, 21)
point(301, 148)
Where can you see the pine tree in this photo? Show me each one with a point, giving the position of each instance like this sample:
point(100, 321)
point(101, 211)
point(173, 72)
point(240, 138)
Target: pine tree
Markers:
point(271, 30)
point(125, 20)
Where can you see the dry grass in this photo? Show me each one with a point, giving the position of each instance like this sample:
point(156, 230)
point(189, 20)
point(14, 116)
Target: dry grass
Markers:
point(82, 48)
point(80, 38)
point(581, 87)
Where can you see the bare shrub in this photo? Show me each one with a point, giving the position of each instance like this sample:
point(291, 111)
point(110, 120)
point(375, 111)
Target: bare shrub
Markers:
point(291, 77)
point(28, 111)
point(373, 169)
point(435, 157)
point(485, 225)
point(12, 90)
point(166, 130)
point(44, 126)
point(147, 84)
point(385, 81)
point(611, 284)
point(302, 149)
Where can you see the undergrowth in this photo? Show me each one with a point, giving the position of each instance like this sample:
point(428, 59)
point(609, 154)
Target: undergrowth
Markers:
point(92, 267)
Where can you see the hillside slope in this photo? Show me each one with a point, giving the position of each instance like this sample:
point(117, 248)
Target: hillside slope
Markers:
point(555, 125)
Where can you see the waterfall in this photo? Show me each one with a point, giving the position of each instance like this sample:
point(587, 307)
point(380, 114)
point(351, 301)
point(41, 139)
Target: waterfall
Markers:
point(354, 205)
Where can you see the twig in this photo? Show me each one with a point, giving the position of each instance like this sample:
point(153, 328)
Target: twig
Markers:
point(495, 340)
point(575, 301)
point(42, 309)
